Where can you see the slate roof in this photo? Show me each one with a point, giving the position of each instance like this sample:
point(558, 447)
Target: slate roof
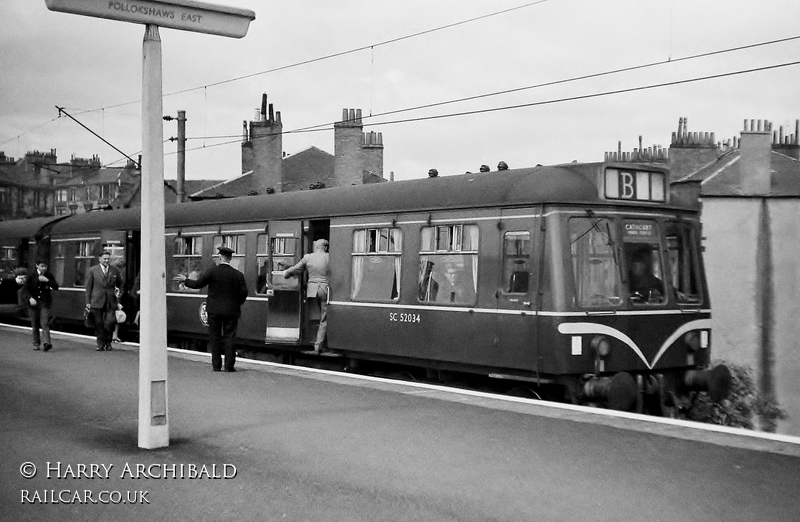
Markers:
point(310, 164)
point(723, 176)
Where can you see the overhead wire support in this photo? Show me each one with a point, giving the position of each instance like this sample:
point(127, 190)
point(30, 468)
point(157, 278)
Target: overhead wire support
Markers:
point(62, 111)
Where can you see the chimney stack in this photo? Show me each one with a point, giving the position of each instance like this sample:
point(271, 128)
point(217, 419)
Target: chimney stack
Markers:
point(755, 149)
point(262, 149)
point(690, 152)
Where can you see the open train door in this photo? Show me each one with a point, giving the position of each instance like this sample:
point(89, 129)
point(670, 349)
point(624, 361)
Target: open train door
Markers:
point(285, 296)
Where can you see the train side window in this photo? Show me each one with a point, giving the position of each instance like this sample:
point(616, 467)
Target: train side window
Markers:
point(516, 257)
point(594, 264)
point(8, 260)
point(377, 255)
point(236, 243)
point(187, 260)
point(448, 271)
point(59, 261)
point(83, 261)
point(282, 255)
point(683, 263)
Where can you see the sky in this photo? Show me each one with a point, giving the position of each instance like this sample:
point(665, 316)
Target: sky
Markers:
point(314, 58)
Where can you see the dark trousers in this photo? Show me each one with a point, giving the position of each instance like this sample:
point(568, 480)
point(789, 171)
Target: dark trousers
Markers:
point(40, 318)
point(104, 321)
point(221, 337)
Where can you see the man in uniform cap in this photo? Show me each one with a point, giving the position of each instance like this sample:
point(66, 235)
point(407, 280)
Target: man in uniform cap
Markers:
point(227, 290)
point(317, 265)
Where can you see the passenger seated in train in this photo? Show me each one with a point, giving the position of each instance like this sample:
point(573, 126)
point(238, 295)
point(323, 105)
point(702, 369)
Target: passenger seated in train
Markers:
point(454, 288)
point(642, 283)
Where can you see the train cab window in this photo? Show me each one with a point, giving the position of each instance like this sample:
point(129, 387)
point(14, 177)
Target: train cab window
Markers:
point(236, 243)
point(646, 284)
point(516, 258)
point(282, 254)
point(84, 254)
point(376, 264)
point(59, 261)
point(187, 259)
point(448, 272)
point(683, 263)
point(594, 263)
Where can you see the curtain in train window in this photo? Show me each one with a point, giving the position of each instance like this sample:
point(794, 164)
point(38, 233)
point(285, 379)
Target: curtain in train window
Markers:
point(377, 257)
point(187, 259)
point(448, 271)
point(236, 243)
point(683, 263)
point(516, 258)
point(84, 254)
point(595, 267)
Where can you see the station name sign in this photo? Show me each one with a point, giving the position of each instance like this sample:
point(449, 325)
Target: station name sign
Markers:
point(185, 15)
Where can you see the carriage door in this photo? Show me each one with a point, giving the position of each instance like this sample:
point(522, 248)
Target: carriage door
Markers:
point(285, 296)
point(516, 292)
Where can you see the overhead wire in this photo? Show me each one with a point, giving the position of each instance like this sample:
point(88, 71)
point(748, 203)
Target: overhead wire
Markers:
point(537, 103)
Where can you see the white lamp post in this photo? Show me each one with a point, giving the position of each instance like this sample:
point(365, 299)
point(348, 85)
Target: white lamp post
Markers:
point(186, 15)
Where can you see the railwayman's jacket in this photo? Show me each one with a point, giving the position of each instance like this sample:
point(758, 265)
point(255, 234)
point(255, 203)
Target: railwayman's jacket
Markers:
point(227, 289)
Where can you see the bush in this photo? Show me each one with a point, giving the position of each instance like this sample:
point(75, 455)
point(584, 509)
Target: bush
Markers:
point(743, 404)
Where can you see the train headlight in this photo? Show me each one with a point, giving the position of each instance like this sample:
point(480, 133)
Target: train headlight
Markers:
point(692, 341)
point(601, 346)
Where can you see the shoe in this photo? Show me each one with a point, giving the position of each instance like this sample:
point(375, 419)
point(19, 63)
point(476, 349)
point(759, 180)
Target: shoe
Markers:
point(100, 348)
point(36, 347)
point(48, 347)
point(116, 340)
point(216, 369)
point(230, 370)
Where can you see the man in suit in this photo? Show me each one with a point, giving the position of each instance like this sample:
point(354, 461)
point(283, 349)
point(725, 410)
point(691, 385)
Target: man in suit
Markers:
point(103, 283)
point(227, 290)
point(37, 292)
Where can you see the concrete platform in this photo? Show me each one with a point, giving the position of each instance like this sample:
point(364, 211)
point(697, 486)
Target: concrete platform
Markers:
point(311, 445)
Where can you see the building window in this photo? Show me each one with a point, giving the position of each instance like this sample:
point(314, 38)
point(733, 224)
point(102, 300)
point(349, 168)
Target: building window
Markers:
point(236, 243)
point(4, 192)
point(83, 261)
point(73, 194)
point(376, 264)
point(448, 271)
point(187, 259)
point(516, 259)
point(62, 195)
point(40, 199)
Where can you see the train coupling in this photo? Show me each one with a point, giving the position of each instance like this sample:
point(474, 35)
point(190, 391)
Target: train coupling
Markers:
point(716, 381)
point(619, 392)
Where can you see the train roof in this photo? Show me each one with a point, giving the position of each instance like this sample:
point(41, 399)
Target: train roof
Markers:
point(25, 228)
point(570, 183)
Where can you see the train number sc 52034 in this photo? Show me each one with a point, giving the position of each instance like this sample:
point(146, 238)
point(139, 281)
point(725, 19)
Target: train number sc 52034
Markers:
point(402, 317)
